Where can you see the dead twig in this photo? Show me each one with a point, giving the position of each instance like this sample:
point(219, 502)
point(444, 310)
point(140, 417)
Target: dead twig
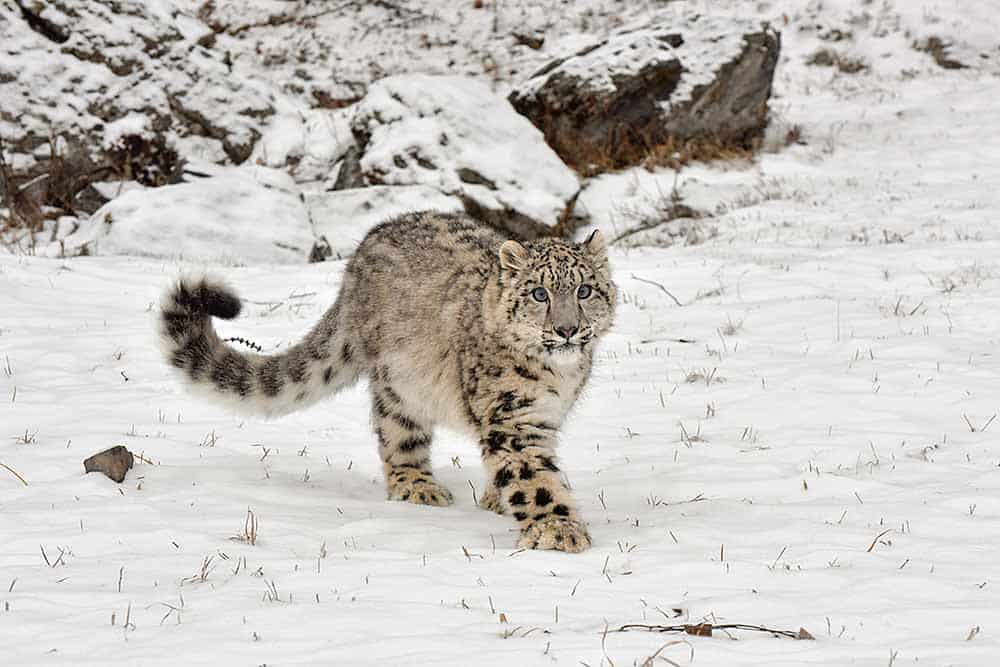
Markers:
point(662, 288)
point(706, 629)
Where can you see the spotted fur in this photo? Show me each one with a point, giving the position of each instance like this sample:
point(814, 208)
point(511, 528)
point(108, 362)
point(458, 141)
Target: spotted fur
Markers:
point(454, 325)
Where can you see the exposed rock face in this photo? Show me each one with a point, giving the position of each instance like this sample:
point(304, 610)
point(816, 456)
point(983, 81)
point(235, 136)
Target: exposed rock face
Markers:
point(138, 154)
point(687, 77)
point(74, 66)
point(457, 136)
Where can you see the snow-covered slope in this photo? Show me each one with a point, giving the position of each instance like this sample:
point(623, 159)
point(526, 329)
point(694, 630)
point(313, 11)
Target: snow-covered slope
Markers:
point(740, 458)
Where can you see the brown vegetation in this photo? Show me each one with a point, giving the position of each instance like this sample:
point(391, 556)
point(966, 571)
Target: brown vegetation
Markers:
point(843, 63)
point(629, 148)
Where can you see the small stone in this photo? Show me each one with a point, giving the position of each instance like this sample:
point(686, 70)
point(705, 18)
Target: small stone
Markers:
point(321, 251)
point(114, 463)
point(533, 41)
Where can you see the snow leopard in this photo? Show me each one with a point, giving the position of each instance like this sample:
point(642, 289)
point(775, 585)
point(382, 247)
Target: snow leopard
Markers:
point(453, 324)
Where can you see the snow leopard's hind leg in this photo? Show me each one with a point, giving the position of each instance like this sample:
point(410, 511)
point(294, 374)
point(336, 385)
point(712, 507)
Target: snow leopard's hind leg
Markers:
point(404, 443)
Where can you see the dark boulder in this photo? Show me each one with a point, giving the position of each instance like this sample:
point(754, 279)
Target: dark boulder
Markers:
point(692, 77)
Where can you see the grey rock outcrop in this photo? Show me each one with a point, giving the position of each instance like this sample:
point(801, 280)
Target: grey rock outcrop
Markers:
point(71, 67)
point(688, 77)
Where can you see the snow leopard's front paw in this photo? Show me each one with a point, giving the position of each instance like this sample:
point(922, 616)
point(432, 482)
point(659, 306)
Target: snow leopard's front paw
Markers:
point(556, 532)
point(420, 489)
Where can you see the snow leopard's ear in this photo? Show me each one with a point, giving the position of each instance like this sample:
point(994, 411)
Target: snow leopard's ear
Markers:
point(513, 256)
point(596, 247)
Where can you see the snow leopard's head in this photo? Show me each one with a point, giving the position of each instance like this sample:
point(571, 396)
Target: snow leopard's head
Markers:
point(558, 297)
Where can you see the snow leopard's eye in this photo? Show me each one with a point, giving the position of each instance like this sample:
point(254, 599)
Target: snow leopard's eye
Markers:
point(539, 294)
point(583, 291)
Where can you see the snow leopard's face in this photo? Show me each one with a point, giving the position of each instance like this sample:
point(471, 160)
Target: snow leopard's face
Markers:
point(558, 296)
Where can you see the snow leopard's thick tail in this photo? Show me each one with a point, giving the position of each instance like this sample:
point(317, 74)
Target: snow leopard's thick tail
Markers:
point(318, 366)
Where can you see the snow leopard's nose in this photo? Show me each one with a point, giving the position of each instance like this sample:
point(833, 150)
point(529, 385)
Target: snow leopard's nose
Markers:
point(566, 332)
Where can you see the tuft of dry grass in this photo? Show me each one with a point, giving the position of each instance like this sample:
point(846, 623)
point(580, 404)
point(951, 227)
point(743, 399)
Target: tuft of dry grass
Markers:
point(674, 221)
point(690, 439)
point(675, 153)
point(900, 308)
point(54, 187)
point(937, 48)
point(841, 62)
point(249, 534)
point(209, 440)
point(731, 328)
point(706, 375)
point(61, 184)
point(201, 576)
point(26, 438)
point(622, 150)
point(967, 276)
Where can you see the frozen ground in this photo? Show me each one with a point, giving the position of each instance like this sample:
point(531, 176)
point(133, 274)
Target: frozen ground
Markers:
point(808, 441)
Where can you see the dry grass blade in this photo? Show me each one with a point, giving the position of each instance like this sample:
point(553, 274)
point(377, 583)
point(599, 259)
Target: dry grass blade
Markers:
point(142, 457)
point(14, 473)
point(58, 561)
point(202, 575)
point(250, 527)
point(604, 648)
point(649, 661)
point(249, 534)
point(871, 547)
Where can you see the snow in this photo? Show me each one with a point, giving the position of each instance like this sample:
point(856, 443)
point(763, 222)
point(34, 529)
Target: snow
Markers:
point(312, 140)
point(830, 375)
point(345, 216)
point(825, 390)
point(132, 124)
point(244, 215)
point(434, 130)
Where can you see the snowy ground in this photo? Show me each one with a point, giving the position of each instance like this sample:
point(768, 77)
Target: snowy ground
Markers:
point(806, 442)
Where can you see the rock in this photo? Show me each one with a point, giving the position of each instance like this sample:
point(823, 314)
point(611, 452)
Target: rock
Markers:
point(342, 218)
point(321, 250)
point(349, 175)
point(308, 143)
point(114, 463)
point(137, 153)
point(457, 136)
point(72, 67)
point(685, 76)
point(533, 41)
point(240, 215)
